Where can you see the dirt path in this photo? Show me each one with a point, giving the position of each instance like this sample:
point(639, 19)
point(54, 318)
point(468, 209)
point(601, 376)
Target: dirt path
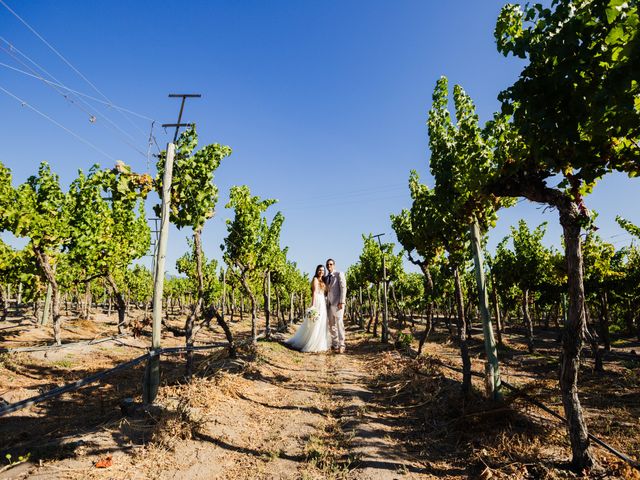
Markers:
point(371, 431)
point(282, 415)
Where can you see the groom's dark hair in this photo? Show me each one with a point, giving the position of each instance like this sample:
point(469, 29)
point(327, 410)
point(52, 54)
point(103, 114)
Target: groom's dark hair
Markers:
point(330, 260)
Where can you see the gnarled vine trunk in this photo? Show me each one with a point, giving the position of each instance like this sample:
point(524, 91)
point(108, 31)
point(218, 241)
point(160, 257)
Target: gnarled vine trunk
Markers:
point(88, 300)
point(462, 335)
point(266, 292)
point(572, 339)
point(291, 306)
point(399, 312)
point(282, 323)
point(121, 305)
point(592, 338)
point(428, 327)
point(360, 309)
point(528, 324)
point(535, 189)
point(196, 310)
point(211, 312)
point(605, 321)
point(428, 280)
point(496, 307)
point(4, 298)
point(450, 313)
point(377, 317)
point(254, 307)
point(44, 263)
point(371, 312)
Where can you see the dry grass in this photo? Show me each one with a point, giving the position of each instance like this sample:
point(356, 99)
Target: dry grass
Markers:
point(176, 424)
point(327, 454)
point(186, 407)
point(83, 325)
point(505, 440)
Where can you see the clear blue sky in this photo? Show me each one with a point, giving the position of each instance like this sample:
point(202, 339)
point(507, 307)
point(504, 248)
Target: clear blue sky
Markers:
point(323, 103)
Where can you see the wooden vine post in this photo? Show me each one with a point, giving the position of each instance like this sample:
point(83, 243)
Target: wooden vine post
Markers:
point(152, 372)
point(291, 303)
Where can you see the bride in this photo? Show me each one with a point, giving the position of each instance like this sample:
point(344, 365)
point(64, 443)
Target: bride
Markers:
point(313, 335)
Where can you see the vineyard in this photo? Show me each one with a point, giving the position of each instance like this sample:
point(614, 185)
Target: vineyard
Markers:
point(462, 361)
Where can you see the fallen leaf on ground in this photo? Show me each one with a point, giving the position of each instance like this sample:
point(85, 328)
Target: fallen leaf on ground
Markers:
point(105, 462)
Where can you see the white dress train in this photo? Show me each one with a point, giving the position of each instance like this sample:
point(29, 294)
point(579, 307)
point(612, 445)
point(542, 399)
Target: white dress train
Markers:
point(313, 336)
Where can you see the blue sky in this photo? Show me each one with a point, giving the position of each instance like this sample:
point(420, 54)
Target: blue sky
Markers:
point(323, 103)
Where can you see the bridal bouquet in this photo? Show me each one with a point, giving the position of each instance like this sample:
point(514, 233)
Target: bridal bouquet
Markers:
point(313, 314)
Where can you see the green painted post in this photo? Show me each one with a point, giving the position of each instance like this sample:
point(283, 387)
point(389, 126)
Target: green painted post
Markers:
point(492, 368)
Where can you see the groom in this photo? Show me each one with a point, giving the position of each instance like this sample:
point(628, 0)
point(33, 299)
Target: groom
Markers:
point(336, 298)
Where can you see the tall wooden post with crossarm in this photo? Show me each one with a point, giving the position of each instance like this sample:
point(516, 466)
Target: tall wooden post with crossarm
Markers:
point(152, 371)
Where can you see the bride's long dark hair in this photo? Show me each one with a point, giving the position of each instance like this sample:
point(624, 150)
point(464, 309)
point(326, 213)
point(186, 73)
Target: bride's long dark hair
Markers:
point(319, 277)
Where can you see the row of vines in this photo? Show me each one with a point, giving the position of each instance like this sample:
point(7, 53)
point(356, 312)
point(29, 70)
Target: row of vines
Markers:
point(83, 245)
point(572, 117)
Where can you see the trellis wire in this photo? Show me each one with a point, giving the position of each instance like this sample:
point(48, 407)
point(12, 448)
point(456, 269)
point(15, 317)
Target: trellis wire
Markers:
point(70, 387)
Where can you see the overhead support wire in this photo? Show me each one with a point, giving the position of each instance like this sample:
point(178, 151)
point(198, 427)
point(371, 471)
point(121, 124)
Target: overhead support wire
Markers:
point(150, 145)
point(76, 92)
point(57, 85)
point(71, 132)
point(64, 59)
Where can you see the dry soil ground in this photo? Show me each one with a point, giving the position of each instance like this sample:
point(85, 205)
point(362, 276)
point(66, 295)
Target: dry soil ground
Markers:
point(372, 413)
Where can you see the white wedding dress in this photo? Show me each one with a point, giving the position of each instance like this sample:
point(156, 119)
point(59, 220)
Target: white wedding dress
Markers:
point(313, 336)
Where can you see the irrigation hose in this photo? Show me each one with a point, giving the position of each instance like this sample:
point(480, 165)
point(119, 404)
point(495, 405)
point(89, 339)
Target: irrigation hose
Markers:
point(45, 348)
point(70, 387)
